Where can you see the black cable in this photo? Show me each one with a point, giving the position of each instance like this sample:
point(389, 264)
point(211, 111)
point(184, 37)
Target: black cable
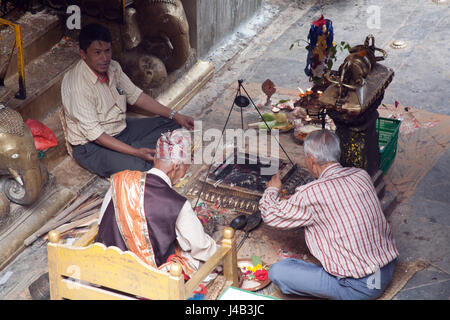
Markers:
point(215, 150)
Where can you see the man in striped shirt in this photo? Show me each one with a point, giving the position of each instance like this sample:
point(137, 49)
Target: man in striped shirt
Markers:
point(345, 228)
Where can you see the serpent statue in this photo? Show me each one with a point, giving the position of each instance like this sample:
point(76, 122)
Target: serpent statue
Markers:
point(156, 41)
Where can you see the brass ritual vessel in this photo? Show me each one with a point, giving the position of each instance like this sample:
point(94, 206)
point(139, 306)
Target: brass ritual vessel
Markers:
point(359, 82)
point(351, 99)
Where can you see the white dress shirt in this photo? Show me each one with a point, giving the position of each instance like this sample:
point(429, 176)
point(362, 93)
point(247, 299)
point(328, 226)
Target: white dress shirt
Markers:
point(92, 107)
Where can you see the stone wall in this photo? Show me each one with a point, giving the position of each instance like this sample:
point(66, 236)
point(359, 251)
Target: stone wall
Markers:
point(210, 21)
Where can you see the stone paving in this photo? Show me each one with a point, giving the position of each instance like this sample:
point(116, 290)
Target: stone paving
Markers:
point(421, 81)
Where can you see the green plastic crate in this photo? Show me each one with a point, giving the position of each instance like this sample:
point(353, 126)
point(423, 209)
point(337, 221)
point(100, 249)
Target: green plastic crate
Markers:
point(387, 141)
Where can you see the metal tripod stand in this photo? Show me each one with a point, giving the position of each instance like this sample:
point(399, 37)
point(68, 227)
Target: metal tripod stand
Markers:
point(242, 102)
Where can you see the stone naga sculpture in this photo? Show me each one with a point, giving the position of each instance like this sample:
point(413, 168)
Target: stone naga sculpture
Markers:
point(24, 176)
point(155, 30)
point(144, 69)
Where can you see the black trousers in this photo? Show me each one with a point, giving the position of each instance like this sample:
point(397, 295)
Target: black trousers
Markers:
point(139, 133)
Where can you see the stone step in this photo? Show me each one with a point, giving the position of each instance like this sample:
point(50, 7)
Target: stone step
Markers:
point(4, 93)
point(40, 32)
point(46, 61)
point(43, 82)
point(67, 181)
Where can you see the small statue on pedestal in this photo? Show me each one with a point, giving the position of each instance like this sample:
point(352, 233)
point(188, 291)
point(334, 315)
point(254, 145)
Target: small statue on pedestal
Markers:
point(268, 87)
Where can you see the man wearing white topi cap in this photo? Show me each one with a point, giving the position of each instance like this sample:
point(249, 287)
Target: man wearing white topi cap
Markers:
point(143, 214)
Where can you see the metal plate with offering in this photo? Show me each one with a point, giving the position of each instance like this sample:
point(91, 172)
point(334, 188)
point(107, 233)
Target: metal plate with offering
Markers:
point(358, 101)
point(302, 131)
point(254, 275)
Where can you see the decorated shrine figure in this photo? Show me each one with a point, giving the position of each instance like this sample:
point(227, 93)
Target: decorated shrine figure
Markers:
point(320, 43)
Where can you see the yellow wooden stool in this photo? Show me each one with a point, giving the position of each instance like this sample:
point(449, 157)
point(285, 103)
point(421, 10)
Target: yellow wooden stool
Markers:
point(95, 272)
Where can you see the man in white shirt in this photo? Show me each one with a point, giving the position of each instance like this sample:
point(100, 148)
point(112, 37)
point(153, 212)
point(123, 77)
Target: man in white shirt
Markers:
point(142, 213)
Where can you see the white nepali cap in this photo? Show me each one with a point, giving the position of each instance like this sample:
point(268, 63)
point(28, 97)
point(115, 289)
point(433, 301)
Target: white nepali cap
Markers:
point(174, 146)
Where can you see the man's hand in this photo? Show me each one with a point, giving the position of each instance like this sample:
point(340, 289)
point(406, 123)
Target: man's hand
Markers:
point(275, 181)
point(112, 143)
point(184, 121)
point(146, 154)
point(147, 103)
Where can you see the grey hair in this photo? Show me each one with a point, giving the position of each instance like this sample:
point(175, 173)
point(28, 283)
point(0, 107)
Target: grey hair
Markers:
point(323, 145)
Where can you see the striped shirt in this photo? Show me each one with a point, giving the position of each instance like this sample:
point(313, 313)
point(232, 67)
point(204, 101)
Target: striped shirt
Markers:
point(92, 106)
point(345, 228)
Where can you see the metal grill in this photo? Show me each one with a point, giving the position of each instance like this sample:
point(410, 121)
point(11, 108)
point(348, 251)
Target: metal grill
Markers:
point(246, 202)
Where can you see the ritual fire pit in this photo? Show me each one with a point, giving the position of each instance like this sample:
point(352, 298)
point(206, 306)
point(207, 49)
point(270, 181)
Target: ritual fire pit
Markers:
point(237, 182)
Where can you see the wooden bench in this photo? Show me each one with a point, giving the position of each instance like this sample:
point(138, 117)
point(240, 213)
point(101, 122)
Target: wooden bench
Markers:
point(91, 271)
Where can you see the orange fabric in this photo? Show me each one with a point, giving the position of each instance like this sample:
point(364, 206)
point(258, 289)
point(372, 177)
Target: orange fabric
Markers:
point(128, 190)
point(177, 257)
point(102, 79)
point(127, 194)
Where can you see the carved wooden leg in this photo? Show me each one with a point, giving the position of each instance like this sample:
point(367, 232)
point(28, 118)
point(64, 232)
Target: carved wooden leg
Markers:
point(230, 270)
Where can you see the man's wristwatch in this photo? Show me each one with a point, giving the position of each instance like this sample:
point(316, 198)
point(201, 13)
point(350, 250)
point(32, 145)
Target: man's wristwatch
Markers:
point(172, 114)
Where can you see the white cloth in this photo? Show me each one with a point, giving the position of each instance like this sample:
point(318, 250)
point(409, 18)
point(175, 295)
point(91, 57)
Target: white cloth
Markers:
point(194, 242)
point(174, 145)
